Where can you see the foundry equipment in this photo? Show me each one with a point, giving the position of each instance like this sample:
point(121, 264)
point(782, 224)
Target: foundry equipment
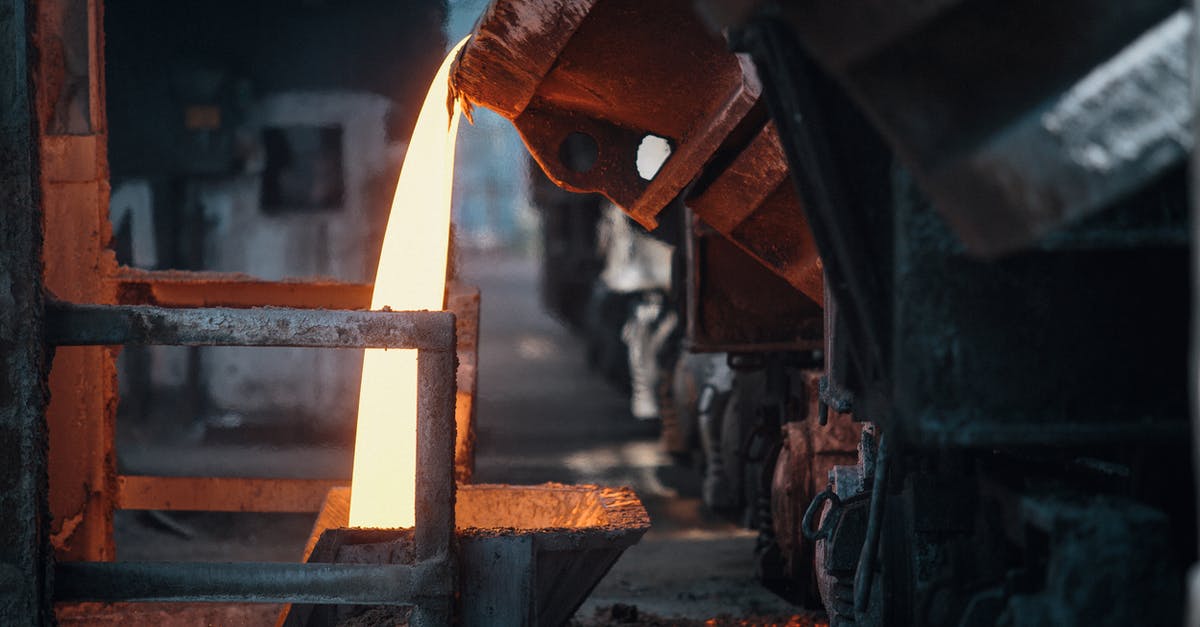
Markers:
point(963, 399)
point(529, 555)
point(68, 303)
point(938, 253)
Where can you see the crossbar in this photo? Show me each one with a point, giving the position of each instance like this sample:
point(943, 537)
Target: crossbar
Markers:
point(251, 582)
point(72, 324)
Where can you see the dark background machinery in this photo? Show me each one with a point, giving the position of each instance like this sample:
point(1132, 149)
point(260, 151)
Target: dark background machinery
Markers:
point(971, 408)
point(930, 283)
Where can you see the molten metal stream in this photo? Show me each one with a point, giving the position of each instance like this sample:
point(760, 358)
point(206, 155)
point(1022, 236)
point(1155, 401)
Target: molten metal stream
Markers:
point(411, 276)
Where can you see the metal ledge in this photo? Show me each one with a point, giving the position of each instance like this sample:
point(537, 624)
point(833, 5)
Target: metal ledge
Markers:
point(223, 494)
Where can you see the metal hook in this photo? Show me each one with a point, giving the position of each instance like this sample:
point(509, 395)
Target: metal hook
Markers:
point(813, 508)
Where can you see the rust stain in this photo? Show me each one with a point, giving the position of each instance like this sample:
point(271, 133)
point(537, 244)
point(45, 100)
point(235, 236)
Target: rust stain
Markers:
point(67, 527)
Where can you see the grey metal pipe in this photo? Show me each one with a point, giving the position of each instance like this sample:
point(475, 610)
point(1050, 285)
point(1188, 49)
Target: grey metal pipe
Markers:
point(435, 487)
point(865, 572)
point(436, 430)
point(248, 582)
point(70, 324)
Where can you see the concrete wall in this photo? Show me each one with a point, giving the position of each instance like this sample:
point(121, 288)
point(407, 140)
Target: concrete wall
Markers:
point(317, 386)
point(193, 87)
point(338, 243)
point(312, 390)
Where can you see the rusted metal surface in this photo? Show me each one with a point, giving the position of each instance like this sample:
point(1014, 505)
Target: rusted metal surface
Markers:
point(529, 554)
point(754, 202)
point(67, 67)
point(736, 305)
point(163, 614)
point(810, 451)
point(223, 494)
point(169, 288)
point(579, 91)
point(617, 71)
point(74, 325)
point(24, 510)
point(518, 51)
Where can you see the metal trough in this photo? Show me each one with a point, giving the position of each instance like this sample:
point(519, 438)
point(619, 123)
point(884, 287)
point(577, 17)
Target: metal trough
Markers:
point(528, 555)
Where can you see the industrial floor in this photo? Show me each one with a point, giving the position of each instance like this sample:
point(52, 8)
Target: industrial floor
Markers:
point(541, 417)
point(544, 417)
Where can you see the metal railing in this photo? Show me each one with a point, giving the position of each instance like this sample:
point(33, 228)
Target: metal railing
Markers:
point(427, 584)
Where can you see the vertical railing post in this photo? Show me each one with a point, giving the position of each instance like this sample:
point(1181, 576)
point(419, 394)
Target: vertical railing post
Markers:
point(435, 489)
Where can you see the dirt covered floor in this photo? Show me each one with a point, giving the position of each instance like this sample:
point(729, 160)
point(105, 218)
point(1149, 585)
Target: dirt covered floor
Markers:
point(618, 615)
point(544, 417)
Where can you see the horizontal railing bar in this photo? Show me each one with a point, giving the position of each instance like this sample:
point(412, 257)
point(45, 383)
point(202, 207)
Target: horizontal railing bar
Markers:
point(69, 324)
point(251, 582)
point(223, 494)
point(174, 288)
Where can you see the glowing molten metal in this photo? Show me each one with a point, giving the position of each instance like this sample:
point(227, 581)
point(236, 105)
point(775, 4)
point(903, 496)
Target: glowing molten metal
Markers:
point(411, 276)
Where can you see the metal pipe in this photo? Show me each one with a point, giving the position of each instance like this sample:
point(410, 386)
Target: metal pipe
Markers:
point(71, 324)
point(435, 454)
point(248, 582)
point(866, 560)
point(435, 487)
